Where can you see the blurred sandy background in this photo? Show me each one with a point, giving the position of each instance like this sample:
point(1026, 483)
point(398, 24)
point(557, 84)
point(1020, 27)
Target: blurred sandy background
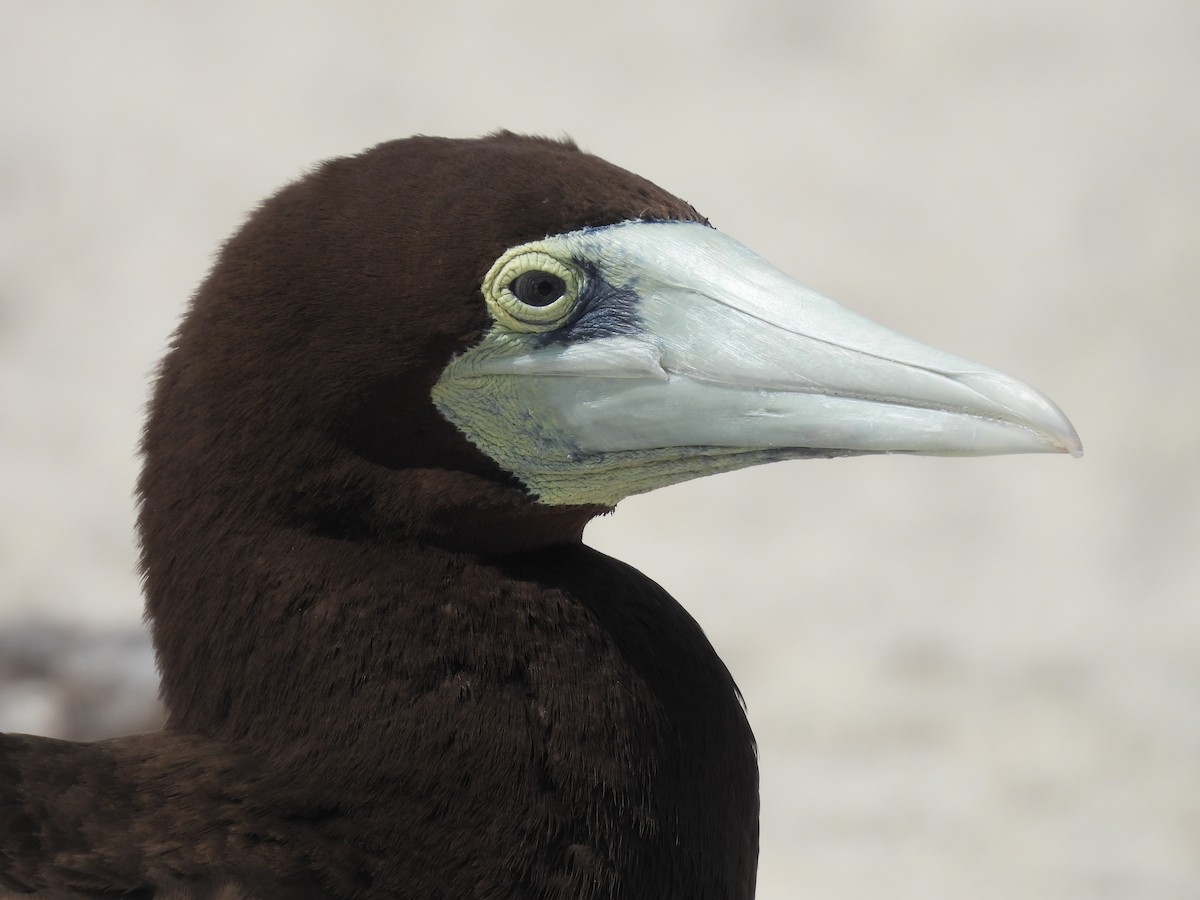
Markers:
point(969, 678)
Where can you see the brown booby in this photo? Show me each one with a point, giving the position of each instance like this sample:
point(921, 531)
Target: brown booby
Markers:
point(391, 667)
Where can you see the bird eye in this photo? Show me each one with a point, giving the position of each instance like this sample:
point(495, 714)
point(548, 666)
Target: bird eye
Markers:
point(538, 288)
point(530, 290)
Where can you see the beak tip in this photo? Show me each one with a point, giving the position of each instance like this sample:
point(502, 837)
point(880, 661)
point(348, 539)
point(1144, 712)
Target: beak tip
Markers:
point(1026, 406)
point(1060, 430)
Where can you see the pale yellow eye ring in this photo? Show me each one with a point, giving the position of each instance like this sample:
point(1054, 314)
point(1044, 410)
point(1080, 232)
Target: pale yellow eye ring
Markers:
point(514, 314)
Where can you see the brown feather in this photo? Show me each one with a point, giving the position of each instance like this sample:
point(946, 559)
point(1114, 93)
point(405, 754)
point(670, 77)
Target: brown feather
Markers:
point(389, 672)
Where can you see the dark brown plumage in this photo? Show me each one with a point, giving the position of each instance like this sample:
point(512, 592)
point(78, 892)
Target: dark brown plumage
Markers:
point(389, 671)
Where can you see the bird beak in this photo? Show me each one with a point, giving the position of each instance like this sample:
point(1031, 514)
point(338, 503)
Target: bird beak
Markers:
point(689, 354)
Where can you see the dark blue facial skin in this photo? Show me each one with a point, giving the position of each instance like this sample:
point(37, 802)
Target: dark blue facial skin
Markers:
point(602, 311)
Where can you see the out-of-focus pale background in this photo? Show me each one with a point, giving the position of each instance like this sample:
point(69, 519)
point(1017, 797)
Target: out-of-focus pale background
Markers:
point(969, 678)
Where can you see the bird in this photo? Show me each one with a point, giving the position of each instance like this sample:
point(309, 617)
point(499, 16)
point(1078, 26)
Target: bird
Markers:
point(390, 666)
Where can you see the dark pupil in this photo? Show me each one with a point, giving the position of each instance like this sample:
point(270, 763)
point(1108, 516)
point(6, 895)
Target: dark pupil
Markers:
point(537, 288)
